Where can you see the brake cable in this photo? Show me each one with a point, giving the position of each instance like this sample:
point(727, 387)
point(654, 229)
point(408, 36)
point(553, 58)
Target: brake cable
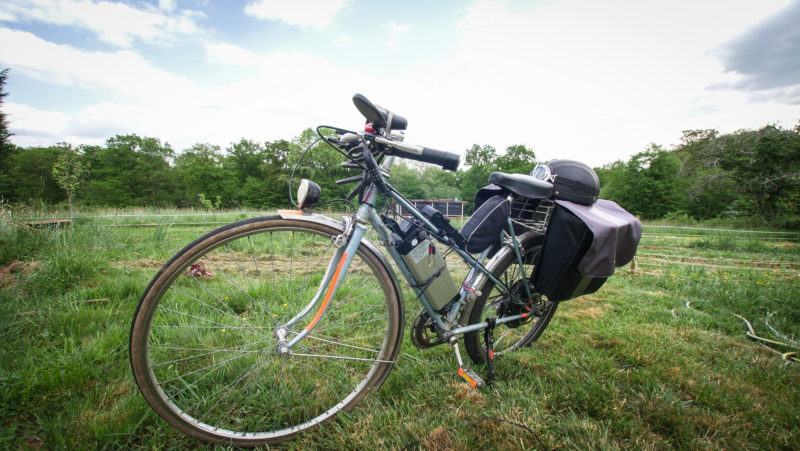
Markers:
point(291, 178)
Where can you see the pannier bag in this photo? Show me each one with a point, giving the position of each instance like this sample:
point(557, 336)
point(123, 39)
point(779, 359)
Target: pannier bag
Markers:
point(484, 227)
point(582, 246)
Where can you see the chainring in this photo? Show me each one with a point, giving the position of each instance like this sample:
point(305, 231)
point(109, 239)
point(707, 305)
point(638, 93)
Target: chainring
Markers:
point(423, 332)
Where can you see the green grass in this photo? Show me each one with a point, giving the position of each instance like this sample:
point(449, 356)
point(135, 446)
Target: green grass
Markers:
point(630, 367)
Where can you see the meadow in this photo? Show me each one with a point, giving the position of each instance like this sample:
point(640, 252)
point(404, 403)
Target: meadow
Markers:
point(657, 359)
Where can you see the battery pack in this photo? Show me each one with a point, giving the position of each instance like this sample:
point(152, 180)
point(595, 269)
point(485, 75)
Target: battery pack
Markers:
point(424, 261)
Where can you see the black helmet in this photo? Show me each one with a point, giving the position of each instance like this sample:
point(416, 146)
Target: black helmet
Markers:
point(572, 180)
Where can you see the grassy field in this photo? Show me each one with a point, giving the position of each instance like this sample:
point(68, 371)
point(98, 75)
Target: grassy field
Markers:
point(655, 360)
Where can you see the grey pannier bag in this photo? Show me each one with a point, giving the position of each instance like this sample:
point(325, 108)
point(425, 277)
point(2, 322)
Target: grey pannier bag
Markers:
point(582, 246)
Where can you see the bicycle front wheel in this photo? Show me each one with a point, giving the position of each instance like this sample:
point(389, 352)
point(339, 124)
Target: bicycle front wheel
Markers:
point(494, 302)
point(203, 341)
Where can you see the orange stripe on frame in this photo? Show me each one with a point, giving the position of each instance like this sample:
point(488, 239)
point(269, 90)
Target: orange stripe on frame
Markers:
point(328, 296)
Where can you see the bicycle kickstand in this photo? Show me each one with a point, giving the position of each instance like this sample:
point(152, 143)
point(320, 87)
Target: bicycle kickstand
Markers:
point(467, 374)
point(488, 339)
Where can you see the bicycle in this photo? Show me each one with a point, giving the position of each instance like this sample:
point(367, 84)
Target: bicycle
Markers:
point(252, 333)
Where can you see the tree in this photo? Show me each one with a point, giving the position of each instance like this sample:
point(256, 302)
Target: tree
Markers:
point(4, 133)
point(763, 166)
point(647, 185)
point(6, 148)
point(32, 173)
point(518, 159)
point(481, 160)
point(68, 171)
point(201, 170)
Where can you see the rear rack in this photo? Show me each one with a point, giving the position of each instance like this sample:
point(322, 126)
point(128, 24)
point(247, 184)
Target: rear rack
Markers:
point(532, 214)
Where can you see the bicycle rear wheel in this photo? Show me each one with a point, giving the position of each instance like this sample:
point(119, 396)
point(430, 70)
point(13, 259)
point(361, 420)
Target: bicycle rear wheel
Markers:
point(203, 344)
point(494, 302)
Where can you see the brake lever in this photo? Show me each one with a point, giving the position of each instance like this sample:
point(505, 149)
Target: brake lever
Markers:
point(358, 189)
point(357, 178)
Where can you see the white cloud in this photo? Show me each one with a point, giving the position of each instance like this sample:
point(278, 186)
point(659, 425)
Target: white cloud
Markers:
point(391, 44)
point(592, 81)
point(288, 92)
point(343, 40)
point(483, 13)
point(302, 13)
point(167, 5)
point(124, 72)
point(587, 80)
point(116, 23)
point(398, 29)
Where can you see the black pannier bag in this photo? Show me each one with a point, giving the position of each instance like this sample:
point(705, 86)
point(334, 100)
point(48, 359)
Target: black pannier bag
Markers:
point(484, 227)
point(582, 246)
point(522, 210)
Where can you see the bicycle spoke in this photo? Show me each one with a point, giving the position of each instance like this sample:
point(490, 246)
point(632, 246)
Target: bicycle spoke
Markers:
point(280, 394)
point(496, 343)
point(236, 382)
point(302, 398)
point(227, 277)
point(344, 358)
point(233, 314)
point(242, 271)
point(352, 324)
point(246, 329)
point(203, 355)
point(216, 366)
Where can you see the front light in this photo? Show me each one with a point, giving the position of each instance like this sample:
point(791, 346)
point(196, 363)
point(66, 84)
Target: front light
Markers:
point(308, 194)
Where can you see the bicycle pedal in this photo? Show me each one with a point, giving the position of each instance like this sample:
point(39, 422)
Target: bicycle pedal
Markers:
point(472, 379)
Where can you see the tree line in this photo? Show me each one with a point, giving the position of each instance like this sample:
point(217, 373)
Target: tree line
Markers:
point(751, 173)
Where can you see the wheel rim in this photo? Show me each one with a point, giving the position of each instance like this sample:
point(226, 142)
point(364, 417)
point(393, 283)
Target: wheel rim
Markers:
point(211, 353)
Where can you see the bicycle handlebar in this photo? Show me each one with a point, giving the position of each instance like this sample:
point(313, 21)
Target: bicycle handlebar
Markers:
point(447, 160)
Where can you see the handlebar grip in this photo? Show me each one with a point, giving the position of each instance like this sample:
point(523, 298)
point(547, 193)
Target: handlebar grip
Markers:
point(447, 160)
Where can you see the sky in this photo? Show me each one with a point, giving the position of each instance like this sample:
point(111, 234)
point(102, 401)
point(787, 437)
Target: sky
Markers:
point(588, 80)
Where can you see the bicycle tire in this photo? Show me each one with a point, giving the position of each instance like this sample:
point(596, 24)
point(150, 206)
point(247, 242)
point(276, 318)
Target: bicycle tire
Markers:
point(244, 393)
point(505, 267)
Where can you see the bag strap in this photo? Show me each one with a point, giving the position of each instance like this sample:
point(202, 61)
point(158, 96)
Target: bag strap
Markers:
point(575, 184)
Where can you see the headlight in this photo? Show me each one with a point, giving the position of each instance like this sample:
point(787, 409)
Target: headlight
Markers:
point(308, 194)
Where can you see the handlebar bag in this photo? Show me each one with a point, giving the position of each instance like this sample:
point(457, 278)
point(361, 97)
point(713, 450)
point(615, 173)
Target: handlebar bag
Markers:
point(485, 227)
point(582, 246)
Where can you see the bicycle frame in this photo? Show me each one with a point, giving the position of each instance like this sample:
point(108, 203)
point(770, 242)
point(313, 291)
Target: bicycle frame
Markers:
point(354, 233)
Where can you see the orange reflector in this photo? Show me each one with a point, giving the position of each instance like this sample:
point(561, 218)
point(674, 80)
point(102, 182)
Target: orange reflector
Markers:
point(290, 212)
point(491, 354)
point(330, 293)
point(466, 377)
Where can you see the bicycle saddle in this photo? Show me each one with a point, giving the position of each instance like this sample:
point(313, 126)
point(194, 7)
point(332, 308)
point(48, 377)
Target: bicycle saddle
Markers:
point(523, 185)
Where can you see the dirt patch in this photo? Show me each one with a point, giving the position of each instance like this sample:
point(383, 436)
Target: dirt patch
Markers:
point(582, 308)
point(34, 442)
point(465, 392)
point(142, 263)
point(14, 272)
point(440, 441)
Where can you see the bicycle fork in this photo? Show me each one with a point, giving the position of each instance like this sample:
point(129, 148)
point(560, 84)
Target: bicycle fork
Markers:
point(341, 262)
